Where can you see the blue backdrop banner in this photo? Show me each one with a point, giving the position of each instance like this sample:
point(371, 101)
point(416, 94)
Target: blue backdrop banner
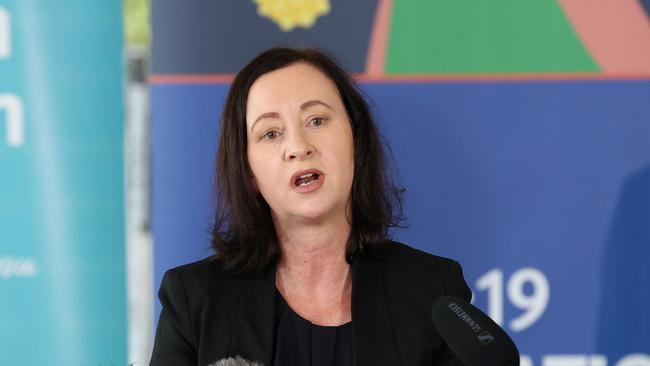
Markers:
point(540, 189)
point(530, 164)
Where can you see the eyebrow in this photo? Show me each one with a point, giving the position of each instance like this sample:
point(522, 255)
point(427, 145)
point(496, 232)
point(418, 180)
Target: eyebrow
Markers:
point(304, 106)
point(310, 103)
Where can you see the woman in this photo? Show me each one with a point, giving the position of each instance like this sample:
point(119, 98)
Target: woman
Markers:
point(303, 272)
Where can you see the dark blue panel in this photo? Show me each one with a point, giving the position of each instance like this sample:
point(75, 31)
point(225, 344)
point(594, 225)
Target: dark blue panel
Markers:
point(207, 36)
point(646, 6)
point(625, 271)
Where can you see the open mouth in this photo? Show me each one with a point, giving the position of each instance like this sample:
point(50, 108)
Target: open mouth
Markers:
point(306, 179)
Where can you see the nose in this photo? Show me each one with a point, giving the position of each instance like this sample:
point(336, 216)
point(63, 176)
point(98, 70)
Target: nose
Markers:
point(298, 148)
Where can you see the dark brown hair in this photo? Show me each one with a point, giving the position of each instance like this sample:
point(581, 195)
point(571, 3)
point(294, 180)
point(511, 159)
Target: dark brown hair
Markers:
point(243, 234)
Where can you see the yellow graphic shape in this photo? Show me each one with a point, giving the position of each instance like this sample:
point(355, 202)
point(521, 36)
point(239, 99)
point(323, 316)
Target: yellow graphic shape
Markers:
point(288, 14)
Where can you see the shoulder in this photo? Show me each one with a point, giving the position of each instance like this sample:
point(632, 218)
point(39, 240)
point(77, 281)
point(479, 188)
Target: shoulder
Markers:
point(410, 268)
point(200, 281)
point(197, 298)
point(398, 255)
point(200, 270)
point(195, 273)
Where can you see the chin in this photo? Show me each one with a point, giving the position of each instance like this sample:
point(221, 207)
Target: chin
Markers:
point(311, 212)
point(311, 215)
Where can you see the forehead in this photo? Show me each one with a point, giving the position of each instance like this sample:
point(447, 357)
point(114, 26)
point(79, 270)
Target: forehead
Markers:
point(288, 87)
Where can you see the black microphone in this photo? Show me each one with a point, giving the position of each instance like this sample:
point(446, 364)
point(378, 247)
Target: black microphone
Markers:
point(472, 335)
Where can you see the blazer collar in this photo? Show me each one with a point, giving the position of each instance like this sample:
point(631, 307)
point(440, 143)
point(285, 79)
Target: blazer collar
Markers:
point(372, 324)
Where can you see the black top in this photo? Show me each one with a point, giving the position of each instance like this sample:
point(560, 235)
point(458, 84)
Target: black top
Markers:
point(209, 314)
point(302, 343)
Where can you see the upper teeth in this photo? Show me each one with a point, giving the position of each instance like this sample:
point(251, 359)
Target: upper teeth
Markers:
point(306, 175)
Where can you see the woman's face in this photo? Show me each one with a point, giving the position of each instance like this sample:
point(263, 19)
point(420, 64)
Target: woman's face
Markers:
point(300, 144)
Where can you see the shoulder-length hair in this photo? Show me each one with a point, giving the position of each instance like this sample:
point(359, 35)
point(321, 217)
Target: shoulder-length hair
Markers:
point(243, 234)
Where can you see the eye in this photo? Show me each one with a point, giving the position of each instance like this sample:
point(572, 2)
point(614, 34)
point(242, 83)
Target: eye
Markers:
point(271, 135)
point(317, 121)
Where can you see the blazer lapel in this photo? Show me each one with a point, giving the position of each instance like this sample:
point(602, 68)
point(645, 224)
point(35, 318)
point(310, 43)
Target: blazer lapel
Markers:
point(253, 335)
point(372, 326)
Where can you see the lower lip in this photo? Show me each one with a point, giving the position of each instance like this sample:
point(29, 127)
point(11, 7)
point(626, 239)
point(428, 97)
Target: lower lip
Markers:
point(308, 188)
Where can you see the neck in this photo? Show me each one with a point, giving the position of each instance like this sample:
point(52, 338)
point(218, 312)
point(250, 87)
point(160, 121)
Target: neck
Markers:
point(313, 256)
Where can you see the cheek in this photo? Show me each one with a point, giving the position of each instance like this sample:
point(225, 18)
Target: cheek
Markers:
point(255, 168)
point(345, 158)
point(263, 173)
point(347, 148)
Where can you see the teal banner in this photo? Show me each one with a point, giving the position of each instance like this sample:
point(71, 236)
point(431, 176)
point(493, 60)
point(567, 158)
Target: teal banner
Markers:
point(62, 240)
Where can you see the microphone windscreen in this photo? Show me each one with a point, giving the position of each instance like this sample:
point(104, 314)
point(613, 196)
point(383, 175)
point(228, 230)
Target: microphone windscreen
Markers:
point(475, 338)
point(236, 361)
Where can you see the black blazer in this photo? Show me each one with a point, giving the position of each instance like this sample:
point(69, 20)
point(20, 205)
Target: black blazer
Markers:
point(209, 315)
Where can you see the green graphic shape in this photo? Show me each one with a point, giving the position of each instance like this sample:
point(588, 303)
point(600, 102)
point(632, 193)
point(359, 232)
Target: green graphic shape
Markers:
point(503, 36)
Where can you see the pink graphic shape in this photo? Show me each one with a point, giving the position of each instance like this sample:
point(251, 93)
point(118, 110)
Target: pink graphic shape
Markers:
point(616, 33)
point(378, 47)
